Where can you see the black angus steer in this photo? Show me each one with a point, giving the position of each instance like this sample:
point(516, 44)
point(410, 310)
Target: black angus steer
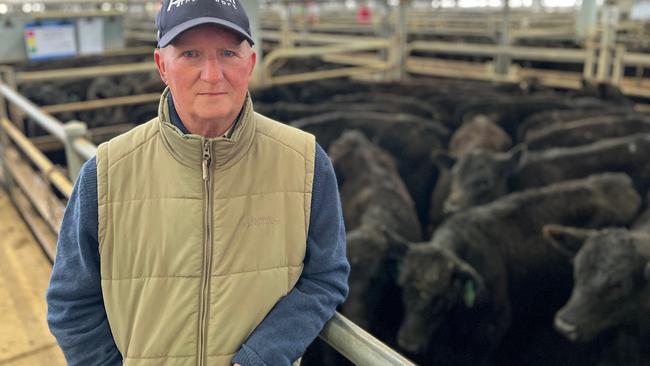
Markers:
point(490, 264)
point(587, 130)
point(408, 138)
point(375, 204)
point(481, 177)
point(611, 291)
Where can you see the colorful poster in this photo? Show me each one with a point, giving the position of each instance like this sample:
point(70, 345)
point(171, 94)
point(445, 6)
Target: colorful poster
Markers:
point(47, 40)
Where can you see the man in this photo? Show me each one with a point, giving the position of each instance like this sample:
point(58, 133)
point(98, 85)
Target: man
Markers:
point(210, 235)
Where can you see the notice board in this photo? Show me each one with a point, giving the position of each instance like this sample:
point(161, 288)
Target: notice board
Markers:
point(48, 40)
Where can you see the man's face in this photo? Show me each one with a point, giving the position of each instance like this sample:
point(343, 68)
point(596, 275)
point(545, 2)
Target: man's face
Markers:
point(207, 69)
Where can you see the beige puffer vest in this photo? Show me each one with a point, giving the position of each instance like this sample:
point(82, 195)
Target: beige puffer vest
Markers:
point(199, 238)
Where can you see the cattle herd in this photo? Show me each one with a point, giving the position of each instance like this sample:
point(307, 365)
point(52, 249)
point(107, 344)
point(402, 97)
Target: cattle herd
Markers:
point(486, 224)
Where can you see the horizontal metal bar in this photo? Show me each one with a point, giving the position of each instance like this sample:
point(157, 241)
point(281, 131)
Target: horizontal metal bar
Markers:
point(36, 188)
point(298, 52)
point(84, 72)
point(101, 103)
point(38, 225)
point(48, 143)
point(49, 123)
point(328, 74)
point(642, 59)
point(58, 179)
point(318, 37)
point(357, 59)
point(84, 148)
point(359, 346)
point(524, 53)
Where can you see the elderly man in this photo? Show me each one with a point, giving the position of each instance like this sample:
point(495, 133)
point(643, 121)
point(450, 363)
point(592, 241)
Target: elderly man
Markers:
point(210, 235)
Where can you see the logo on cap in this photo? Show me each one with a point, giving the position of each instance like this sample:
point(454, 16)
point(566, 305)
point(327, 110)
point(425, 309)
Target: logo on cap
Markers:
point(179, 3)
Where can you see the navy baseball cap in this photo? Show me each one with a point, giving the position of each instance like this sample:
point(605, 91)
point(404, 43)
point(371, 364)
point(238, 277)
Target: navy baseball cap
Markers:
point(177, 16)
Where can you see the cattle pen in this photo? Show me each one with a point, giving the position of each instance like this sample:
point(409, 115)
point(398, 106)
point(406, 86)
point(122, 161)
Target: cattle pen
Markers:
point(443, 121)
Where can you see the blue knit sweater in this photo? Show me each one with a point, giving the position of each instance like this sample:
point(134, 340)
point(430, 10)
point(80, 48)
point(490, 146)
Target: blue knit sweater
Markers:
point(76, 313)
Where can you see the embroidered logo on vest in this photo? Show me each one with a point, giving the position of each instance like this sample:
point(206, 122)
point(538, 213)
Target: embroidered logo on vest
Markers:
point(259, 221)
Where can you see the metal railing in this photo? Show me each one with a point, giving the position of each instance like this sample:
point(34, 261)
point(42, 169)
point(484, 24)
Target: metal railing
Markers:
point(78, 148)
point(343, 335)
point(327, 52)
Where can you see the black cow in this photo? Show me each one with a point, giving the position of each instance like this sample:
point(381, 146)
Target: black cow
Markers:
point(478, 133)
point(491, 262)
point(410, 139)
point(481, 176)
point(611, 291)
point(587, 130)
point(542, 120)
point(375, 204)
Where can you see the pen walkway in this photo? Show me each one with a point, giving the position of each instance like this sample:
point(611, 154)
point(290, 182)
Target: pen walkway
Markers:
point(25, 339)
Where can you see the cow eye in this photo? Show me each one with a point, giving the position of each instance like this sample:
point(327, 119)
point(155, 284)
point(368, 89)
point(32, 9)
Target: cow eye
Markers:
point(615, 288)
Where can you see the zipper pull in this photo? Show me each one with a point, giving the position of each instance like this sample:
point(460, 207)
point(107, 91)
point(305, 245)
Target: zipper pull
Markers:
point(206, 158)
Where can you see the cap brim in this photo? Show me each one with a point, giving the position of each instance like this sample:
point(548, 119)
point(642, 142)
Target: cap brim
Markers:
point(169, 36)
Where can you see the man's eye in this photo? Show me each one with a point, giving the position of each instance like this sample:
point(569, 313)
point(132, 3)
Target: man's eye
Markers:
point(190, 54)
point(228, 53)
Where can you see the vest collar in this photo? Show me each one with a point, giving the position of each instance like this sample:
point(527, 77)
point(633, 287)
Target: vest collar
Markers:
point(188, 148)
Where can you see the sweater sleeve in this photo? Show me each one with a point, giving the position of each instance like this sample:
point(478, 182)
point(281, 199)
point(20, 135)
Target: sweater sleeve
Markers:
point(298, 318)
point(75, 307)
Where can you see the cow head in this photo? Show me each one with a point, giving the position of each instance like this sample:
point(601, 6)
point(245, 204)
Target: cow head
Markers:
point(480, 177)
point(433, 281)
point(373, 252)
point(610, 280)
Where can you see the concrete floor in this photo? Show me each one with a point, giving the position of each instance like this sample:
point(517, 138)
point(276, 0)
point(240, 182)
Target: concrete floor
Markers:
point(24, 275)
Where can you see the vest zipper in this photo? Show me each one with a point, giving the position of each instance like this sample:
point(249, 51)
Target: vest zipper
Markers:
point(204, 298)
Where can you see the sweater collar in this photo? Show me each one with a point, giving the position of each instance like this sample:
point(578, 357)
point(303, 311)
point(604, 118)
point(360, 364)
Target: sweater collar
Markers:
point(188, 148)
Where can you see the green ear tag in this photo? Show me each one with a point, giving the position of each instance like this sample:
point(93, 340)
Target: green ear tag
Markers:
point(469, 294)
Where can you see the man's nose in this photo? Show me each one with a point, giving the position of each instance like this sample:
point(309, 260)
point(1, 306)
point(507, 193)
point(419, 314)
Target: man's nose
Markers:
point(212, 71)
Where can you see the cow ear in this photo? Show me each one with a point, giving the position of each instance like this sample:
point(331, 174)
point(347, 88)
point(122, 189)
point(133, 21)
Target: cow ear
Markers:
point(443, 160)
point(473, 283)
point(397, 244)
point(512, 160)
point(566, 240)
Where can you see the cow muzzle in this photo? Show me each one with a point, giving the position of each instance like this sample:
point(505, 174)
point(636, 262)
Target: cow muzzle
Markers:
point(567, 329)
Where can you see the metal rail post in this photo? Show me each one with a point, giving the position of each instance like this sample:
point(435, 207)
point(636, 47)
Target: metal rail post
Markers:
point(588, 67)
point(73, 130)
point(402, 39)
point(3, 102)
point(252, 9)
point(586, 18)
point(286, 26)
point(6, 176)
point(618, 66)
point(607, 39)
point(502, 61)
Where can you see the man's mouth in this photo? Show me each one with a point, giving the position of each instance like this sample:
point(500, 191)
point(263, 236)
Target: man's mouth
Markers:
point(212, 93)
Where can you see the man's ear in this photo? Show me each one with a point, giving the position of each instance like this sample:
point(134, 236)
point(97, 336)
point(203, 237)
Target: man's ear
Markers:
point(566, 240)
point(253, 57)
point(159, 59)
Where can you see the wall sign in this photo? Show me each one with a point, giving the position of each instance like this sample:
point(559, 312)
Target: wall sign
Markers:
point(48, 40)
